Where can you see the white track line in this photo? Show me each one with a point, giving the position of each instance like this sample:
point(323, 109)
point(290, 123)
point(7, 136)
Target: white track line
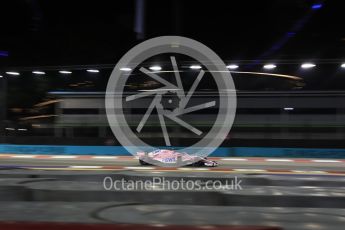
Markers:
point(23, 156)
point(140, 168)
point(299, 171)
point(64, 157)
point(279, 160)
point(104, 157)
point(193, 169)
point(317, 172)
point(309, 172)
point(85, 167)
point(234, 159)
point(326, 161)
point(250, 170)
point(185, 169)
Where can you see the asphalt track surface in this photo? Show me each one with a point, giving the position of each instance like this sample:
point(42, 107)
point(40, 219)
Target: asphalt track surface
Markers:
point(293, 194)
point(226, 165)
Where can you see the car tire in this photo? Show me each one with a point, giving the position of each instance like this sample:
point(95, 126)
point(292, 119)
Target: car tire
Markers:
point(143, 162)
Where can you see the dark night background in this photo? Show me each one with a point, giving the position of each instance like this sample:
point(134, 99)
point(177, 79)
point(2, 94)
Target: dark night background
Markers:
point(41, 33)
point(74, 35)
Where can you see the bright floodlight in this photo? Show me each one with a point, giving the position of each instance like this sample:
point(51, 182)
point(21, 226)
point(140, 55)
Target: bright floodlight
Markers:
point(1, 76)
point(195, 67)
point(126, 69)
point(269, 66)
point(155, 68)
point(38, 72)
point(65, 72)
point(307, 65)
point(342, 65)
point(288, 108)
point(13, 73)
point(92, 70)
point(232, 66)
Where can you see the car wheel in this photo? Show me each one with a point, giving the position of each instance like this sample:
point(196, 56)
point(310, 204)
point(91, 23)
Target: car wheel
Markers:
point(143, 162)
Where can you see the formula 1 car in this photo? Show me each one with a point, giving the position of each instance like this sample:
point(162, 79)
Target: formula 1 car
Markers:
point(172, 157)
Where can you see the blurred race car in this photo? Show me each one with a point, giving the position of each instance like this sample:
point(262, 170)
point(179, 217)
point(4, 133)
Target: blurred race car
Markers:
point(172, 157)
